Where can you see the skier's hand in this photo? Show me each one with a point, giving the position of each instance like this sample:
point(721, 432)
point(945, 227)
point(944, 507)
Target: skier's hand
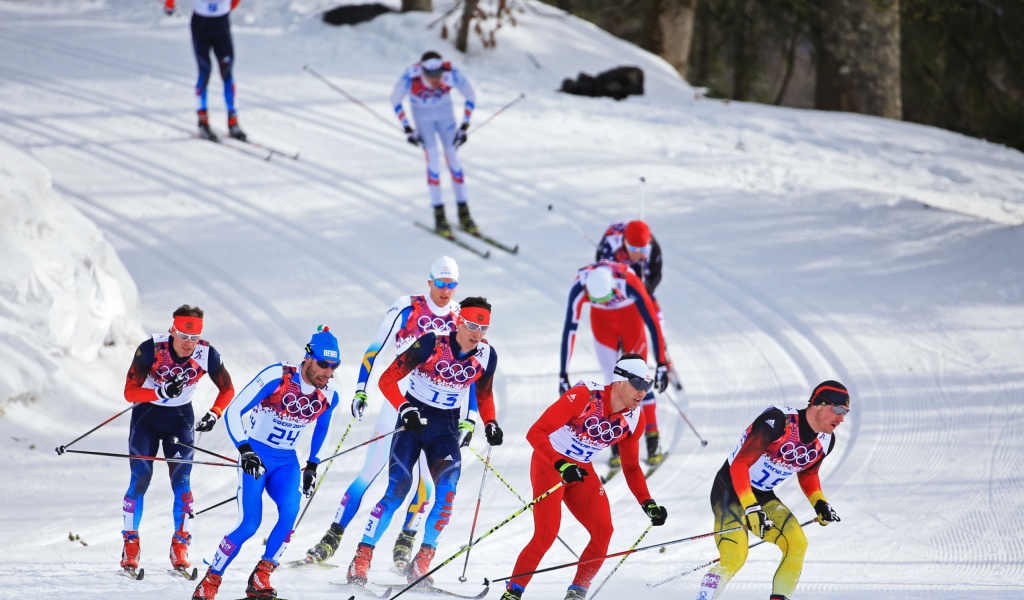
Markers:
point(466, 429)
point(661, 378)
point(757, 520)
point(411, 418)
point(309, 479)
point(493, 433)
point(358, 405)
point(172, 388)
point(563, 383)
point(655, 512)
point(412, 137)
point(571, 472)
point(207, 422)
point(826, 514)
point(460, 135)
point(251, 463)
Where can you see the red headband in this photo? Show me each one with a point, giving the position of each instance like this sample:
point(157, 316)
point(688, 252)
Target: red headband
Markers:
point(188, 325)
point(476, 314)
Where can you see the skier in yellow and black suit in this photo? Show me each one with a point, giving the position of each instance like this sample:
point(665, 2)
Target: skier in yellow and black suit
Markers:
point(781, 442)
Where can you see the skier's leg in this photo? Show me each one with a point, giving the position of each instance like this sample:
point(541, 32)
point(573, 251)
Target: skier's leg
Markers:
point(404, 452)
point(201, 48)
point(547, 519)
point(425, 127)
point(732, 547)
point(787, 534)
point(143, 440)
point(249, 497)
point(587, 502)
point(283, 488)
point(445, 463)
point(446, 129)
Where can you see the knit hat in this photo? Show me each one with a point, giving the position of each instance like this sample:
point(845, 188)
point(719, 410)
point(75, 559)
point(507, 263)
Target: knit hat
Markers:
point(638, 234)
point(445, 268)
point(600, 283)
point(830, 392)
point(323, 345)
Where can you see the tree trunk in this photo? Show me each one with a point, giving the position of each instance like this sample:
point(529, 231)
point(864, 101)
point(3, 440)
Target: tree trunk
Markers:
point(858, 57)
point(462, 41)
point(422, 5)
point(671, 33)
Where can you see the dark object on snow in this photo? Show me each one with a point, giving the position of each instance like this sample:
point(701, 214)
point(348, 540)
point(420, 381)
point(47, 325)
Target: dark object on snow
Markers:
point(616, 83)
point(350, 15)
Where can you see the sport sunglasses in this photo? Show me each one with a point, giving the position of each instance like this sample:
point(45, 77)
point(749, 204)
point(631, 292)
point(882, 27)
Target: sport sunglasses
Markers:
point(840, 410)
point(476, 326)
point(641, 384)
point(326, 364)
point(631, 248)
point(442, 285)
point(185, 337)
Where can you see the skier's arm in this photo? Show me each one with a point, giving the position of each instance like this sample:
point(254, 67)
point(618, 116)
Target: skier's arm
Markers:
point(569, 405)
point(484, 389)
point(762, 433)
point(395, 317)
point(145, 356)
point(464, 87)
point(322, 432)
point(654, 267)
point(401, 89)
point(577, 296)
point(222, 379)
point(629, 451)
point(255, 391)
point(404, 364)
point(649, 313)
point(603, 250)
point(808, 478)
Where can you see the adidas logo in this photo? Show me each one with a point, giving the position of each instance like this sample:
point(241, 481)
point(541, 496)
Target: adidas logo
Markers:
point(449, 458)
point(771, 422)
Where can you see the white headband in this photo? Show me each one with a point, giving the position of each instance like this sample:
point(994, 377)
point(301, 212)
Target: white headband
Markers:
point(634, 366)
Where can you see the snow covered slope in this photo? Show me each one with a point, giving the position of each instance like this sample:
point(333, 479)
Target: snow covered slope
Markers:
point(799, 246)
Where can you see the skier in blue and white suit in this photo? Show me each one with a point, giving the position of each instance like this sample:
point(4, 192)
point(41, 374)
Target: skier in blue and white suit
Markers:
point(265, 421)
point(428, 84)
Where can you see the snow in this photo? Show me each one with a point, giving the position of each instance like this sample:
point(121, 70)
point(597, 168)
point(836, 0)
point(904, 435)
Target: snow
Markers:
point(799, 246)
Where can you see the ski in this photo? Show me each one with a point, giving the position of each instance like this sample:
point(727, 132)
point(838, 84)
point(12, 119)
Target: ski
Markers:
point(361, 590)
point(429, 589)
point(611, 473)
point(652, 468)
point(254, 152)
point(183, 572)
point(306, 563)
point(270, 149)
point(131, 572)
point(485, 238)
point(455, 240)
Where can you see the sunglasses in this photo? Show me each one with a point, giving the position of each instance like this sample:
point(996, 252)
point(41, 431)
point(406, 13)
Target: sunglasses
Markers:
point(326, 364)
point(186, 337)
point(442, 285)
point(630, 248)
point(476, 326)
point(840, 410)
point(641, 384)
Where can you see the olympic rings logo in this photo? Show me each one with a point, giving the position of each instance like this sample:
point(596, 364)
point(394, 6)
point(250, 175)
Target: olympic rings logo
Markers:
point(439, 324)
point(606, 431)
point(166, 373)
point(302, 405)
point(455, 371)
point(798, 455)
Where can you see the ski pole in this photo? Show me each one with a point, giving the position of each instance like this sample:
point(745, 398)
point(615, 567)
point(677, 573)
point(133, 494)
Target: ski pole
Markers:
point(521, 499)
point(370, 441)
point(711, 562)
point(170, 460)
point(64, 447)
point(579, 230)
point(350, 97)
point(614, 554)
point(633, 547)
point(703, 442)
point(476, 514)
point(642, 182)
point(203, 450)
point(324, 475)
point(209, 508)
point(479, 539)
point(496, 113)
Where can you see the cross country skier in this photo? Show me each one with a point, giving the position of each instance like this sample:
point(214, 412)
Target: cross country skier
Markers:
point(586, 419)
point(619, 308)
point(265, 422)
point(633, 244)
point(441, 369)
point(408, 318)
point(161, 382)
point(211, 30)
point(781, 442)
point(428, 84)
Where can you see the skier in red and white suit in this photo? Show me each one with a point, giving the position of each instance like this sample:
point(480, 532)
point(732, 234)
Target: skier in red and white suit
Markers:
point(620, 307)
point(586, 419)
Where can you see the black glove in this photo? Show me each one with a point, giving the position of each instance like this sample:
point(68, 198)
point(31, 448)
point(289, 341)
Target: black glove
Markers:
point(563, 383)
point(309, 479)
point(657, 513)
point(757, 520)
point(251, 463)
point(411, 418)
point(412, 137)
point(207, 422)
point(825, 512)
point(661, 378)
point(571, 472)
point(460, 135)
point(466, 429)
point(493, 433)
point(172, 388)
point(358, 405)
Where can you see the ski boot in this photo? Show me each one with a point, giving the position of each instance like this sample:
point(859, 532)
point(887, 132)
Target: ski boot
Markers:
point(512, 592)
point(234, 130)
point(360, 565)
point(130, 553)
point(327, 546)
point(654, 454)
point(465, 221)
point(441, 225)
point(420, 566)
point(575, 592)
point(403, 549)
point(179, 550)
point(207, 588)
point(259, 581)
point(204, 128)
